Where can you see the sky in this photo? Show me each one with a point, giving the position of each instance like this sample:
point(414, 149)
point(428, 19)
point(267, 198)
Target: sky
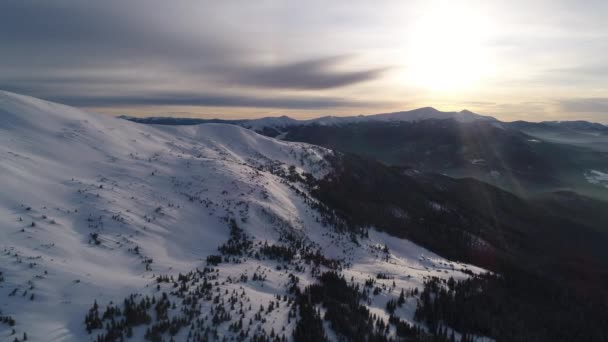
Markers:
point(515, 60)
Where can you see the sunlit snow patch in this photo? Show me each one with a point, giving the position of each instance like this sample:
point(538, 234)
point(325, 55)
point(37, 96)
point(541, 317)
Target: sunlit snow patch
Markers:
point(597, 177)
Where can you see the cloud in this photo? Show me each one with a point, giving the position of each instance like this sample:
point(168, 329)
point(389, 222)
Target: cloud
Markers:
point(87, 52)
point(84, 34)
point(585, 105)
point(240, 53)
point(585, 70)
point(209, 100)
point(317, 73)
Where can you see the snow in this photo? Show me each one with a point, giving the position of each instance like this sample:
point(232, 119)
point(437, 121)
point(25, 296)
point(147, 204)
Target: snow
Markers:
point(156, 199)
point(405, 116)
point(597, 177)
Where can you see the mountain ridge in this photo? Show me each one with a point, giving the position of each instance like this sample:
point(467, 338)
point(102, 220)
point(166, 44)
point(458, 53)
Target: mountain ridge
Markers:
point(112, 229)
point(423, 113)
point(96, 212)
point(286, 121)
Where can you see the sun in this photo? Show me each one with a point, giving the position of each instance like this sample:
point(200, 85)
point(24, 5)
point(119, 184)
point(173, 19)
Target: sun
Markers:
point(446, 48)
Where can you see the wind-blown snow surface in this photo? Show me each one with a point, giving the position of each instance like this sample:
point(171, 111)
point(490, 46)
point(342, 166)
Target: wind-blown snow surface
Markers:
point(95, 208)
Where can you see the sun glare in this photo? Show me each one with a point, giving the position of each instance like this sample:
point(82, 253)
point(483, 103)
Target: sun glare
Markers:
point(446, 51)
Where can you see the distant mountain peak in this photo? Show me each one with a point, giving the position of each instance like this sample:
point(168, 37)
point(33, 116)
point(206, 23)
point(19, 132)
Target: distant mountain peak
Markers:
point(427, 109)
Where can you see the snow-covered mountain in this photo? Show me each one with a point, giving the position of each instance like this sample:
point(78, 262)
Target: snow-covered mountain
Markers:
point(213, 221)
point(280, 123)
point(405, 116)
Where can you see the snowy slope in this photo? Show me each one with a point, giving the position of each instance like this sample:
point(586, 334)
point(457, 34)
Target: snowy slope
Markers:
point(94, 208)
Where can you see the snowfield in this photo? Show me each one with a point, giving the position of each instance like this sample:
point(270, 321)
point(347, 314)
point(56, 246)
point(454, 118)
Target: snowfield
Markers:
point(95, 208)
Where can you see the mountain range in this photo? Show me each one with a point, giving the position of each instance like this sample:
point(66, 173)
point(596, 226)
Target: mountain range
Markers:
point(282, 122)
point(325, 230)
point(526, 158)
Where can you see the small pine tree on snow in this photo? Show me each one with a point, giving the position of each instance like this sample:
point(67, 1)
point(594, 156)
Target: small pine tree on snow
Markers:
point(401, 299)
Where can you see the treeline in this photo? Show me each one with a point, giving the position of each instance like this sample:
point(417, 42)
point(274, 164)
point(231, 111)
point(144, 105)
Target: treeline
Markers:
point(553, 285)
point(512, 307)
point(348, 318)
point(362, 193)
point(238, 244)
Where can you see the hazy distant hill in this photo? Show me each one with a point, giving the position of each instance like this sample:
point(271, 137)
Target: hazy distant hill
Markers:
point(580, 133)
point(486, 150)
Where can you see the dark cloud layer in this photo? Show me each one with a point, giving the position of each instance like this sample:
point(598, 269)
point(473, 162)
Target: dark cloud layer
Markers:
point(312, 74)
point(208, 100)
